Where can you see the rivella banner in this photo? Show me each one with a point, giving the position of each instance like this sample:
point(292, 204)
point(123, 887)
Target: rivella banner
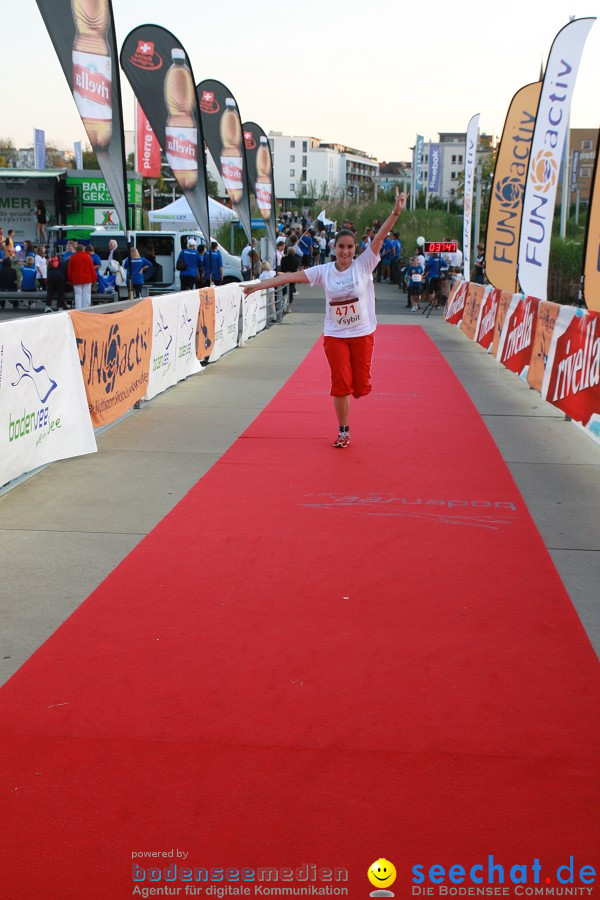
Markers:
point(114, 354)
point(508, 185)
point(260, 176)
point(83, 34)
point(591, 248)
point(572, 373)
point(222, 127)
point(545, 159)
point(43, 409)
point(160, 73)
point(470, 163)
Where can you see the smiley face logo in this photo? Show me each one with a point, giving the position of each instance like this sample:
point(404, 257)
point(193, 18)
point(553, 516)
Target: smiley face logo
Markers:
point(382, 873)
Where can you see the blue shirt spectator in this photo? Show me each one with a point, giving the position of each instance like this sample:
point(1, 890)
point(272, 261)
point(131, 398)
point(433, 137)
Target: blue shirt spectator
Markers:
point(193, 262)
point(213, 265)
point(387, 252)
point(29, 276)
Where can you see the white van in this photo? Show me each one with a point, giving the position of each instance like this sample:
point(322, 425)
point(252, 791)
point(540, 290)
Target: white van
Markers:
point(162, 249)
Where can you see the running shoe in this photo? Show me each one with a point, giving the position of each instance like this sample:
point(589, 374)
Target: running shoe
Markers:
point(342, 440)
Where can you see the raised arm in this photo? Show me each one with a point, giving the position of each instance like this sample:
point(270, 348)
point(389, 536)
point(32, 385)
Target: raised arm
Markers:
point(279, 280)
point(387, 225)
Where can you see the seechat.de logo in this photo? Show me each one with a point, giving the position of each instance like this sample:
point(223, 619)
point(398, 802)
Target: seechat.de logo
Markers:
point(543, 171)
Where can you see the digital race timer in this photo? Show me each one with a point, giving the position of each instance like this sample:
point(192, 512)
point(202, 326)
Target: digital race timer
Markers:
point(440, 246)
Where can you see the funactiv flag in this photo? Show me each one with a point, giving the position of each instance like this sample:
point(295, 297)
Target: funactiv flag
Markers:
point(508, 185)
point(160, 73)
point(591, 247)
point(545, 159)
point(470, 163)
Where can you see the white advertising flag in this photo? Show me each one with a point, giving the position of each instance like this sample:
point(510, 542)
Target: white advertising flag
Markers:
point(546, 154)
point(470, 163)
point(44, 412)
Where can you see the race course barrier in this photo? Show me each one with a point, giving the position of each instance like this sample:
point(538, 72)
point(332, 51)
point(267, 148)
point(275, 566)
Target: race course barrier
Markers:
point(63, 375)
point(555, 348)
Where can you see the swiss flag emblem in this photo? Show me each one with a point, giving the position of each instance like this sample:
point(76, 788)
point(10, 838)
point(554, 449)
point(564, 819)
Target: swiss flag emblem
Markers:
point(207, 96)
point(146, 48)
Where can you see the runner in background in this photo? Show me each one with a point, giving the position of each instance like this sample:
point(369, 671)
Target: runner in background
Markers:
point(350, 320)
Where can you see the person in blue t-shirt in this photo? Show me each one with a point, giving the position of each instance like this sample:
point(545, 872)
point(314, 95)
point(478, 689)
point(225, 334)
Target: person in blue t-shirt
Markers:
point(95, 258)
point(395, 264)
point(139, 265)
point(306, 244)
point(29, 275)
point(213, 265)
point(436, 268)
point(414, 277)
point(193, 264)
point(387, 255)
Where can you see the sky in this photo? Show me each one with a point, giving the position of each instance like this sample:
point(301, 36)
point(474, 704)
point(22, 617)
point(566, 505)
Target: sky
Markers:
point(350, 73)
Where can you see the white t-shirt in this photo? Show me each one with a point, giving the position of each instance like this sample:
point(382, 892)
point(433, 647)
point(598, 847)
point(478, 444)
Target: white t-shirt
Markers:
point(341, 288)
point(41, 265)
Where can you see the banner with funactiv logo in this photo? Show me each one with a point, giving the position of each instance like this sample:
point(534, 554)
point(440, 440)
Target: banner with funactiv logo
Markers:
point(470, 163)
point(542, 341)
point(83, 34)
point(260, 176)
point(114, 354)
point(147, 148)
point(591, 246)
point(508, 184)
point(224, 138)
point(160, 73)
point(173, 356)
point(547, 147)
point(453, 311)
point(205, 334)
point(474, 299)
point(516, 337)
point(227, 313)
point(572, 373)
point(488, 311)
point(43, 408)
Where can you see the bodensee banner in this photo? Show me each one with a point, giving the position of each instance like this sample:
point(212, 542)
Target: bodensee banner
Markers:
point(43, 408)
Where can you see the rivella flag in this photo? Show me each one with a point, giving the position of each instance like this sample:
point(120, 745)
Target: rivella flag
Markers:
point(83, 34)
point(147, 149)
point(223, 133)
point(160, 73)
point(508, 185)
point(546, 154)
point(260, 175)
point(470, 162)
point(591, 247)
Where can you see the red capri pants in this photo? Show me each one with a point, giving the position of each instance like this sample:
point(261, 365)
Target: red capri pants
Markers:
point(350, 363)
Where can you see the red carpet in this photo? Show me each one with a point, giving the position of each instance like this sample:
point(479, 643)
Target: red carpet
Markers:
point(320, 657)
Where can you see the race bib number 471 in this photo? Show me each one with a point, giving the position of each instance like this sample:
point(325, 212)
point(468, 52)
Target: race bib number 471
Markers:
point(347, 314)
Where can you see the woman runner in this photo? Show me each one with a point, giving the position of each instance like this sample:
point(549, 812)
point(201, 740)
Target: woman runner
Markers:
point(350, 320)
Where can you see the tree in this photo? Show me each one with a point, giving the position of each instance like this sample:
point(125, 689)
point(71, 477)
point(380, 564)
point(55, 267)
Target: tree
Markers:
point(7, 152)
point(89, 159)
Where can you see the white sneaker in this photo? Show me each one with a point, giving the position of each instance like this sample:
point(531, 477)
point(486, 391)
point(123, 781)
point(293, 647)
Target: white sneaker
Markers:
point(48, 309)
